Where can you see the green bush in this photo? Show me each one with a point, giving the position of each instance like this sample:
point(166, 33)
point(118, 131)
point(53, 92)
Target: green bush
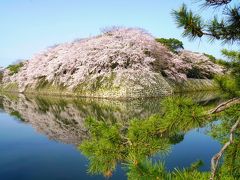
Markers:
point(15, 68)
point(211, 57)
point(218, 61)
point(172, 44)
point(228, 84)
point(223, 63)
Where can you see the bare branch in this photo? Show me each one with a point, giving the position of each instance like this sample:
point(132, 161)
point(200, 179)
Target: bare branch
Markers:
point(217, 157)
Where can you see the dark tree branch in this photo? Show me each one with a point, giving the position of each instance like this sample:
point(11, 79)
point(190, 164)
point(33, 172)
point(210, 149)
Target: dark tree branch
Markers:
point(217, 2)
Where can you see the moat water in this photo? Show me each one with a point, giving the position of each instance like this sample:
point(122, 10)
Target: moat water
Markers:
point(40, 137)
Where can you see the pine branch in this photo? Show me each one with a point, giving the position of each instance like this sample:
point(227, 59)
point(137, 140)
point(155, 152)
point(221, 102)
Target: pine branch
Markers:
point(217, 2)
point(217, 157)
point(227, 30)
point(225, 105)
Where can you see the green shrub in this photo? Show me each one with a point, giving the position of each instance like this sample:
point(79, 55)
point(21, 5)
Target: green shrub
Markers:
point(218, 61)
point(172, 44)
point(211, 57)
point(15, 68)
point(228, 84)
point(17, 115)
point(223, 63)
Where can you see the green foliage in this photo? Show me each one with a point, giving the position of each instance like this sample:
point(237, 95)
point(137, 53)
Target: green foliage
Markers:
point(221, 62)
point(234, 58)
point(224, 63)
point(228, 118)
point(147, 169)
point(14, 69)
point(17, 115)
point(220, 131)
point(230, 83)
point(173, 44)
point(226, 29)
point(180, 114)
point(110, 144)
point(105, 148)
point(190, 175)
point(191, 23)
point(211, 57)
point(134, 144)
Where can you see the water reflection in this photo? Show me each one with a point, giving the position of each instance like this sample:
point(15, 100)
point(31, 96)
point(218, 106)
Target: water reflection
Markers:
point(118, 131)
point(62, 119)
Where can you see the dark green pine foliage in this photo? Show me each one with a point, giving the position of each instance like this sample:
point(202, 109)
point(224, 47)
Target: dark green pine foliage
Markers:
point(132, 144)
point(226, 29)
point(230, 82)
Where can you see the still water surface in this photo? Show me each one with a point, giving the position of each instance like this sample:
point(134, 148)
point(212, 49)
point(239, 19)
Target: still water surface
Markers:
point(39, 136)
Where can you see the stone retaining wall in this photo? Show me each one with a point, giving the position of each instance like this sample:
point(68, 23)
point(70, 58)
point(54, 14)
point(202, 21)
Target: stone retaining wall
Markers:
point(139, 86)
point(192, 85)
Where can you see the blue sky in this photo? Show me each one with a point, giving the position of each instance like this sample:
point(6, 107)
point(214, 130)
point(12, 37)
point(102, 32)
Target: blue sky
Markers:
point(29, 26)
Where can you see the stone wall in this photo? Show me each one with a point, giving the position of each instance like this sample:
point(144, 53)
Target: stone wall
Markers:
point(128, 86)
point(139, 86)
point(191, 85)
